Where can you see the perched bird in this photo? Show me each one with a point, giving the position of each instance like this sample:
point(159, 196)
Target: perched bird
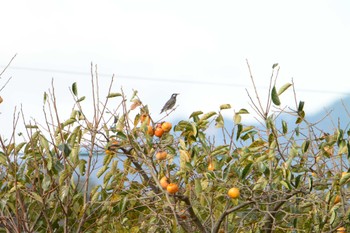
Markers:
point(170, 103)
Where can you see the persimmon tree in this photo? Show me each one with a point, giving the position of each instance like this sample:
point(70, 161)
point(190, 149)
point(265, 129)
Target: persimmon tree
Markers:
point(154, 176)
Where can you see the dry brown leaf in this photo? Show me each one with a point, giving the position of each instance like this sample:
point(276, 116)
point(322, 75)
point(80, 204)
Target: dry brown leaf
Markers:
point(135, 104)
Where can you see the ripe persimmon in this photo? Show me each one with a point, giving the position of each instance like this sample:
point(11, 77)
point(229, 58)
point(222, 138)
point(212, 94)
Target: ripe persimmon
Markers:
point(161, 155)
point(337, 199)
point(233, 192)
point(164, 182)
point(158, 131)
point(182, 214)
point(341, 230)
point(172, 188)
point(211, 166)
point(166, 126)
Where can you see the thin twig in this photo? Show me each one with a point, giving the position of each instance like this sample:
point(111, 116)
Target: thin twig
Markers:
point(3, 71)
point(256, 91)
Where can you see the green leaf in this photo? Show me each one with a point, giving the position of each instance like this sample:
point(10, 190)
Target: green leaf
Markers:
point(45, 97)
point(121, 135)
point(246, 170)
point(182, 126)
point(198, 187)
point(274, 97)
point(260, 186)
point(75, 154)
point(297, 180)
point(44, 143)
point(107, 159)
point(305, 146)
point(239, 131)
point(284, 127)
point(248, 128)
point(274, 65)
point(81, 99)
point(226, 173)
point(35, 196)
point(300, 118)
point(19, 147)
point(112, 95)
point(220, 150)
point(69, 122)
point(49, 161)
point(194, 129)
point(248, 135)
point(284, 88)
point(286, 185)
point(102, 170)
point(310, 183)
point(3, 159)
point(75, 89)
point(82, 169)
point(32, 127)
point(301, 106)
point(257, 145)
point(64, 191)
point(225, 106)
point(65, 149)
point(63, 175)
point(121, 123)
point(46, 183)
point(243, 111)
point(333, 216)
point(95, 197)
point(123, 204)
point(197, 113)
point(344, 179)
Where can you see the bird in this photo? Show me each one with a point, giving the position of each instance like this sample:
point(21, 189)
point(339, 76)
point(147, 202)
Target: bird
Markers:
point(170, 103)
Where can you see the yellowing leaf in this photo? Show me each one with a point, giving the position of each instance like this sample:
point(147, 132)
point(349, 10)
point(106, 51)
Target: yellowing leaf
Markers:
point(225, 106)
point(219, 121)
point(207, 115)
point(284, 88)
point(237, 118)
point(184, 158)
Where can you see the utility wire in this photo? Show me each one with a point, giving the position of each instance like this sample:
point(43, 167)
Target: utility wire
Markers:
point(130, 77)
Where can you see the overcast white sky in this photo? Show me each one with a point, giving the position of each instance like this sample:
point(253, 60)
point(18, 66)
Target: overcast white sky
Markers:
point(195, 48)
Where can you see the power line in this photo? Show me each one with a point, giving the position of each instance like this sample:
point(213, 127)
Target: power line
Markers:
point(130, 77)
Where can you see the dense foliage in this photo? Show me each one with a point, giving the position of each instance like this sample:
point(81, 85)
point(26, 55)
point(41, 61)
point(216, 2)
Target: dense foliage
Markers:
point(292, 177)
